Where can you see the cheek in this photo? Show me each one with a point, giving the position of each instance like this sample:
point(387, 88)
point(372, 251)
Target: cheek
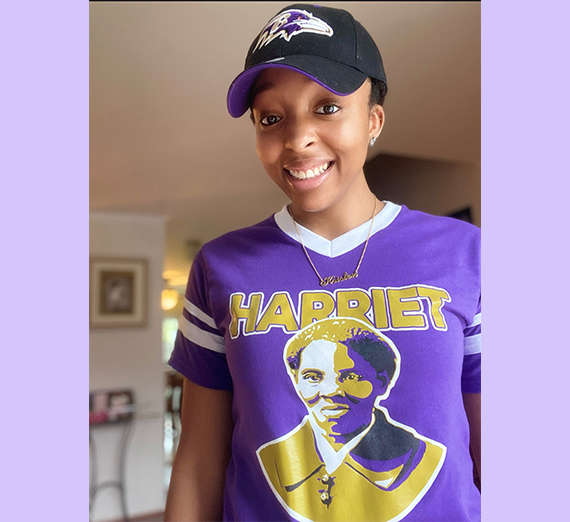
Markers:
point(267, 147)
point(268, 154)
point(352, 141)
point(359, 389)
point(307, 390)
point(260, 148)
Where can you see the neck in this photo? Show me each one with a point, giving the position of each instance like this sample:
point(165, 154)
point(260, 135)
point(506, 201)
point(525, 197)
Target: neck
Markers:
point(340, 217)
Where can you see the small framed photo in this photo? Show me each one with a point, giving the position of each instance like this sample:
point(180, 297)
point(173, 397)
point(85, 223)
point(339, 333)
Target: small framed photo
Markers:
point(107, 406)
point(117, 292)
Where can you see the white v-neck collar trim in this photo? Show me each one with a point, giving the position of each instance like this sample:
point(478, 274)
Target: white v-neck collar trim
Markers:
point(342, 244)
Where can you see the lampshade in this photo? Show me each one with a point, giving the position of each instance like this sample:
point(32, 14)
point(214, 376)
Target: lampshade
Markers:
point(169, 298)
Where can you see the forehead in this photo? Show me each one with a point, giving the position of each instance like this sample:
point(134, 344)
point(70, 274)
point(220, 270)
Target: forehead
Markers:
point(325, 354)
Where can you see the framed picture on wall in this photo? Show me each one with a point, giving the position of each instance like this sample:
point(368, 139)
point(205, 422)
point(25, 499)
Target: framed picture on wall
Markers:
point(117, 292)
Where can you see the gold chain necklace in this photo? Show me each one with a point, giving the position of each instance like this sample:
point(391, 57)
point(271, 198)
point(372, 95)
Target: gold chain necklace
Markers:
point(344, 277)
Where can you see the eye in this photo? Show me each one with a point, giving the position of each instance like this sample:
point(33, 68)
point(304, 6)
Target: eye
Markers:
point(313, 376)
point(270, 120)
point(350, 376)
point(329, 108)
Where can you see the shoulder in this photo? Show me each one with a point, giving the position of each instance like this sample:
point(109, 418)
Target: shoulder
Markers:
point(444, 234)
point(437, 224)
point(243, 239)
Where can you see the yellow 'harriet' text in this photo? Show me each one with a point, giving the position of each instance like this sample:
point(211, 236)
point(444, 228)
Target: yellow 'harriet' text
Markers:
point(406, 308)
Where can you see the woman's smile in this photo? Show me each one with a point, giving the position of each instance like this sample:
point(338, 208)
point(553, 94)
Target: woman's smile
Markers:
point(310, 172)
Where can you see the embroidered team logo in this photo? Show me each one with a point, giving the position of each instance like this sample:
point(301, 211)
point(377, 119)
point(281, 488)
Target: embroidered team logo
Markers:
point(347, 459)
point(291, 23)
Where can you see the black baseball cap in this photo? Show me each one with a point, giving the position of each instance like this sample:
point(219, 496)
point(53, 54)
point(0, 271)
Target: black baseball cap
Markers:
point(326, 44)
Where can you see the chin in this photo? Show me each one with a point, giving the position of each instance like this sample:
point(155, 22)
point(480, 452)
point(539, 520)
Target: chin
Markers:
point(312, 204)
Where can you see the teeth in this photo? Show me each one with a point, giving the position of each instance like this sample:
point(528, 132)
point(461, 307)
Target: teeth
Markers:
point(309, 173)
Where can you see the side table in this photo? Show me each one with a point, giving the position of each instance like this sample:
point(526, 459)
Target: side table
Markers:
point(95, 487)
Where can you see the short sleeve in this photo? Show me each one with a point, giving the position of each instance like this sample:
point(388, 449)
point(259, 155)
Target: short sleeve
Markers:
point(199, 351)
point(471, 375)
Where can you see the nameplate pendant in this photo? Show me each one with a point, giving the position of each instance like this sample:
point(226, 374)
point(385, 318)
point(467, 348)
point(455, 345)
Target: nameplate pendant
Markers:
point(331, 280)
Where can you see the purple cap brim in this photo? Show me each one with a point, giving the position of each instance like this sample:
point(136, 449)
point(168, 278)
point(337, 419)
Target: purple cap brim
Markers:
point(340, 79)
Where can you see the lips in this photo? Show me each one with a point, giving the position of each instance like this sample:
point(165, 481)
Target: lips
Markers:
point(334, 410)
point(308, 172)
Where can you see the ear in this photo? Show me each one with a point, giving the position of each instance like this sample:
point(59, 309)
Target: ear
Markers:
point(383, 380)
point(376, 121)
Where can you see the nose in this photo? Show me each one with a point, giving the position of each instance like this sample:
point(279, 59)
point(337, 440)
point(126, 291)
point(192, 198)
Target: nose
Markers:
point(299, 134)
point(331, 387)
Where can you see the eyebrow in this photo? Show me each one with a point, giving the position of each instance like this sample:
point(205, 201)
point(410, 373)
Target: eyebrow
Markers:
point(259, 88)
point(313, 370)
point(255, 90)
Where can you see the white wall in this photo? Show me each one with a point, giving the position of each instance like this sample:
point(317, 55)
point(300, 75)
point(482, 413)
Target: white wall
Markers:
point(130, 357)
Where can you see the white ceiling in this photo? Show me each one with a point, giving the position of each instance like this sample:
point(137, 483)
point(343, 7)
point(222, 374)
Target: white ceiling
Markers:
point(162, 142)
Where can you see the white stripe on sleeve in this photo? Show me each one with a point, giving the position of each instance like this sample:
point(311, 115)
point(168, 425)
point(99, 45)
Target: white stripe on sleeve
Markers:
point(201, 338)
point(476, 321)
point(472, 345)
point(196, 312)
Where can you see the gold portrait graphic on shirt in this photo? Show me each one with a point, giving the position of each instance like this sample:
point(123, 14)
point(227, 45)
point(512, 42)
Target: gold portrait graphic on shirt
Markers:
point(347, 459)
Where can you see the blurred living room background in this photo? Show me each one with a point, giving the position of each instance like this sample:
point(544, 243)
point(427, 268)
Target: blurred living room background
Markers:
point(171, 170)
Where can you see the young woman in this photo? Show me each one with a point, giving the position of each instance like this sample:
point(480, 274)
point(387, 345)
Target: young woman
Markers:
point(331, 352)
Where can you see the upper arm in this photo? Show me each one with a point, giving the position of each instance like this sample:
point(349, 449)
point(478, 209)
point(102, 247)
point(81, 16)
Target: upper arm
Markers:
point(204, 451)
point(207, 427)
point(472, 402)
point(206, 415)
point(471, 386)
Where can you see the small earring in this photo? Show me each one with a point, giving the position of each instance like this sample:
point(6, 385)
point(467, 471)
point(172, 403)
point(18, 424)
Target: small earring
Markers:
point(373, 141)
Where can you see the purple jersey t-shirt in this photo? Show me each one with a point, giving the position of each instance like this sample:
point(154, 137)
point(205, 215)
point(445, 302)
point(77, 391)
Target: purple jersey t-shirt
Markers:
point(347, 398)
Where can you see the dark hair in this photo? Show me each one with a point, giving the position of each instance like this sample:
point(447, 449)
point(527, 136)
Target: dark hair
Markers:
point(364, 341)
point(374, 351)
point(378, 91)
point(294, 360)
